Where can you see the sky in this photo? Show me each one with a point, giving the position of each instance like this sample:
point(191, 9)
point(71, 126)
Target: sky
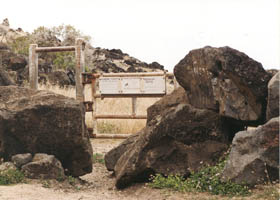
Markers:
point(160, 30)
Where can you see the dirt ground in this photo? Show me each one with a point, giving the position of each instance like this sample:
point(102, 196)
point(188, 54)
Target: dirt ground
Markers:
point(99, 185)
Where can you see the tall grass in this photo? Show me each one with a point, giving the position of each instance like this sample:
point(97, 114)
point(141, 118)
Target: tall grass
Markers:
point(110, 106)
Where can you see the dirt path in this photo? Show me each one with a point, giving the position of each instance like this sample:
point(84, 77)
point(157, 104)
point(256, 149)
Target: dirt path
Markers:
point(99, 185)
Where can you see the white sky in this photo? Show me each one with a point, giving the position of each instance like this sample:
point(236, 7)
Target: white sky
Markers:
point(160, 30)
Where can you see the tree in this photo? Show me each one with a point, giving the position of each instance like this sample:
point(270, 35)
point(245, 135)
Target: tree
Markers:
point(67, 34)
point(63, 35)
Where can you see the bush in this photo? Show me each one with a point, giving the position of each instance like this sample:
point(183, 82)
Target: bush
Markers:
point(205, 180)
point(71, 180)
point(11, 176)
point(64, 60)
point(20, 45)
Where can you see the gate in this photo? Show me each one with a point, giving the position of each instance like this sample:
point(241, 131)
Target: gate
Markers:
point(109, 85)
point(123, 85)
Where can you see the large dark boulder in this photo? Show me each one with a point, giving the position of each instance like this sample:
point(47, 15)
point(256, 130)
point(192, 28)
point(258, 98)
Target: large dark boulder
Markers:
point(43, 122)
point(181, 140)
point(226, 81)
point(273, 97)
point(254, 157)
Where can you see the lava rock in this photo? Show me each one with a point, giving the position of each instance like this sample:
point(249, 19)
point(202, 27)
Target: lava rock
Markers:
point(226, 81)
point(17, 62)
point(21, 159)
point(181, 140)
point(112, 157)
point(43, 166)
point(254, 157)
point(43, 122)
point(160, 107)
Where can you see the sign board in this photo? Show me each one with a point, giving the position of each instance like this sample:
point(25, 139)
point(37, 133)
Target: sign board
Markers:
point(132, 85)
point(109, 85)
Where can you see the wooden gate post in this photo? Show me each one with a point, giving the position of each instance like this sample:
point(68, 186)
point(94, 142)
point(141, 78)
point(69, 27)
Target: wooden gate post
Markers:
point(94, 102)
point(33, 67)
point(80, 68)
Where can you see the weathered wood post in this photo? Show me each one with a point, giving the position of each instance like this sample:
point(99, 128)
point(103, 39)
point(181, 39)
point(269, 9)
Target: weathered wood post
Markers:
point(94, 102)
point(80, 68)
point(33, 67)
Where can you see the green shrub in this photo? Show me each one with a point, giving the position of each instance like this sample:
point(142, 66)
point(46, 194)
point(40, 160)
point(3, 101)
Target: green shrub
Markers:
point(11, 176)
point(46, 184)
point(98, 158)
point(20, 45)
point(60, 177)
point(71, 180)
point(173, 182)
point(64, 60)
point(205, 180)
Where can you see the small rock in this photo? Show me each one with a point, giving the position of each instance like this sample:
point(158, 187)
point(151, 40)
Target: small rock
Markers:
point(43, 166)
point(7, 165)
point(21, 159)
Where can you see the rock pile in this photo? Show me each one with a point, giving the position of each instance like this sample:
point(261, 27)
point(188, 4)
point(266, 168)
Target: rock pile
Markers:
point(39, 166)
point(114, 60)
point(224, 90)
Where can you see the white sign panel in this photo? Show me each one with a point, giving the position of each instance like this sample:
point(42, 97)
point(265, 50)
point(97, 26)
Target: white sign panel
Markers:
point(153, 85)
point(132, 85)
point(109, 85)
